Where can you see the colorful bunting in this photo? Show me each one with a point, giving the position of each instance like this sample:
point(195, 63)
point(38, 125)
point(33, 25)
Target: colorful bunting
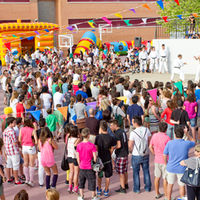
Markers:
point(37, 32)
point(70, 28)
point(107, 20)
point(46, 30)
point(133, 10)
point(153, 94)
point(8, 46)
point(180, 16)
point(144, 20)
point(30, 38)
point(165, 18)
point(127, 22)
point(63, 111)
point(119, 15)
point(36, 114)
point(91, 24)
point(179, 85)
point(14, 36)
point(177, 1)
point(146, 6)
point(123, 98)
point(195, 14)
point(160, 3)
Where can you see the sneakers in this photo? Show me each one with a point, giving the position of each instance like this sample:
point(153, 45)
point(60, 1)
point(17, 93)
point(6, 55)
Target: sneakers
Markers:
point(80, 198)
point(106, 193)
point(67, 182)
point(10, 180)
point(121, 190)
point(99, 191)
point(126, 186)
point(75, 190)
point(30, 184)
point(95, 198)
point(70, 189)
point(19, 183)
point(22, 178)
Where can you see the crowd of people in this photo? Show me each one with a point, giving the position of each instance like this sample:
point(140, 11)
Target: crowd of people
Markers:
point(98, 139)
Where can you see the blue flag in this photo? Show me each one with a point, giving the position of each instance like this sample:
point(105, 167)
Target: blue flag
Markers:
point(36, 114)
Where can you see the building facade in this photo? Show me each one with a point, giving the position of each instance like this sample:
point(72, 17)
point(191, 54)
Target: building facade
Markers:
point(79, 12)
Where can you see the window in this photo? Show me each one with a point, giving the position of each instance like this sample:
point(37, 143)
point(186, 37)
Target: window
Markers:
point(116, 22)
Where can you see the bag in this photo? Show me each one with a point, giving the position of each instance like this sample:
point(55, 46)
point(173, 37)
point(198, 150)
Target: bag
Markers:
point(64, 163)
point(99, 115)
point(81, 123)
point(142, 148)
point(114, 156)
point(119, 118)
point(98, 166)
point(191, 177)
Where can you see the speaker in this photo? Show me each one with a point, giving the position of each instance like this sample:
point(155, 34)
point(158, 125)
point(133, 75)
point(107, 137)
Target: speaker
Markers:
point(138, 41)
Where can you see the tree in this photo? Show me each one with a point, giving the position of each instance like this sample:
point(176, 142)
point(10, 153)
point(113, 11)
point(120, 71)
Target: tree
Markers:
point(171, 9)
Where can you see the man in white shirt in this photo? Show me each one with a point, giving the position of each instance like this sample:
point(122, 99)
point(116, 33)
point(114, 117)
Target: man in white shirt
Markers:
point(143, 60)
point(153, 56)
point(163, 60)
point(138, 143)
point(95, 89)
point(198, 69)
point(58, 98)
point(178, 67)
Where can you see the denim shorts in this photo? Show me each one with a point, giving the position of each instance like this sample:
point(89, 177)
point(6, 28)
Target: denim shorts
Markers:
point(193, 122)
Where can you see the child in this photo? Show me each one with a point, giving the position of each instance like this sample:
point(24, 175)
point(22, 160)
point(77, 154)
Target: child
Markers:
point(46, 147)
point(51, 121)
point(2, 197)
point(52, 194)
point(22, 195)
point(86, 151)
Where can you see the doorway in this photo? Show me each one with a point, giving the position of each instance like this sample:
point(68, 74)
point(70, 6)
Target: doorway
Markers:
point(27, 46)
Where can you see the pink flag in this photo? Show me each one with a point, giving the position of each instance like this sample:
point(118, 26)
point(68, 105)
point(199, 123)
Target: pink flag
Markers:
point(153, 94)
point(106, 20)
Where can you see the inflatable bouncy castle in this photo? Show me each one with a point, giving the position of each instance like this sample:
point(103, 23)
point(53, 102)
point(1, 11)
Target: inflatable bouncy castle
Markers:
point(22, 37)
point(86, 41)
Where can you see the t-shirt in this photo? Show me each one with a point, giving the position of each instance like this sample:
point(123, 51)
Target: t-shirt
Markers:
point(93, 124)
point(59, 117)
point(123, 150)
point(177, 150)
point(141, 131)
point(51, 121)
point(167, 113)
point(80, 108)
point(180, 115)
point(54, 88)
point(192, 162)
point(64, 88)
point(20, 109)
point(158, 142)
point(58, 98)
point(198, 110)
point(85, 150)
point(190, 108)
point(104, 143)
point(45, 98)
point(134, 110)
point(83, 94)
point(197, 94)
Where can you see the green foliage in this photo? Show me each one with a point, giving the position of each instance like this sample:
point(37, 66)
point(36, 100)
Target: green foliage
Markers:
point(171, 9)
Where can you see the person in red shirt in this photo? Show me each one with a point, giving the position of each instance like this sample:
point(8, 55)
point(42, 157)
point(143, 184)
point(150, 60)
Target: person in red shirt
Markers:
point(20, 107)
point(167, 116)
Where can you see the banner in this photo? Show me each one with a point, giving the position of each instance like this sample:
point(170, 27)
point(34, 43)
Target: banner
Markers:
point(153, 94)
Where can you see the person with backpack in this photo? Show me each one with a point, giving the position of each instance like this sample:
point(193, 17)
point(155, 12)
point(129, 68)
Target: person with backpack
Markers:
point(121, 151)
point(138, 144)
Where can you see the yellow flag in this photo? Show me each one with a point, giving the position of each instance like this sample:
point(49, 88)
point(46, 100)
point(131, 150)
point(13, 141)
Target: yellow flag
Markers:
point(91, 24)
point(122, 99)
point(118, 15)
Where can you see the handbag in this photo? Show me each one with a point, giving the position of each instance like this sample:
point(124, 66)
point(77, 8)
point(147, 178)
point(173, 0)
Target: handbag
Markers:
point(192, 176)
point(81, 123)
point(64, 163)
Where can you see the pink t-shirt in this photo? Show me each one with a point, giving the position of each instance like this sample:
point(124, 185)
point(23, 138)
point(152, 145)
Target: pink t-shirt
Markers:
point(26, 136)
point(85, 150)
point(158, 142)
point(190, 108)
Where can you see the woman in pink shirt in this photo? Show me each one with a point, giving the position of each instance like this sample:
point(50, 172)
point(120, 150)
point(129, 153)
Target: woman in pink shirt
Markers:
point(190, 105)
point(28, 140)
point(166, 114)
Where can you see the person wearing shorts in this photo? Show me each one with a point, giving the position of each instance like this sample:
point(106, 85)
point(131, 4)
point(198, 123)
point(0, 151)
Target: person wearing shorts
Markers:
point(177, 150)
point(157, 146)
point(86, 151)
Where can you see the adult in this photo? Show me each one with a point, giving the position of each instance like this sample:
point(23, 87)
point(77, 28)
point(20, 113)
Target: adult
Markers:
point(163, 60)
point(143, 60)
point(157, 146)
point(121, 152)
point(175, 151)
point(46, 98)
point(153, 60)
point(28, 140)
point(58, 98)
point(81, 92)
point(138, 145)
point(95, 89)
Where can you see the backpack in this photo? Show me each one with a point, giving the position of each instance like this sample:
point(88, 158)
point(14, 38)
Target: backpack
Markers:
point(119, 119)
point(142, 148)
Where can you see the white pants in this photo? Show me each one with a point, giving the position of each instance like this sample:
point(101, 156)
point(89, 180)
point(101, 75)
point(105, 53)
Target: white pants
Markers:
point(179, 72)
point(40, 170)
point(163, 65)
point(143, 65)
point(197, 74)
point(153, 64)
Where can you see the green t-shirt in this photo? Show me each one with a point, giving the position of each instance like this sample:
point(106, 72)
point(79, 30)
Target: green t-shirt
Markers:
point(51, 121)
point(54, 88)
point(59, 117)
